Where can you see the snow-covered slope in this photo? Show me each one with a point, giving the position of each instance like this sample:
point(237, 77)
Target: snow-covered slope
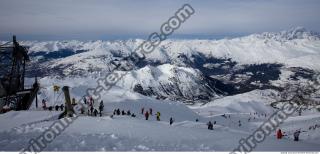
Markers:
point(125, 133)
point(250, 102)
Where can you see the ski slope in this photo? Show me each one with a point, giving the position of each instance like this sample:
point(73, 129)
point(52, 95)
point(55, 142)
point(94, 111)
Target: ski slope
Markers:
point(125, 133)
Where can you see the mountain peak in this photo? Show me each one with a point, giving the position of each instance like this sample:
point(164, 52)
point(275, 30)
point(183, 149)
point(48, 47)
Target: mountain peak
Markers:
point(291, 34)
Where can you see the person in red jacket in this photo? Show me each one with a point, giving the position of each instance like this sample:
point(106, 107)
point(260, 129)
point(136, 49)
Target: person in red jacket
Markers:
point(279, 134)
point(146, 115)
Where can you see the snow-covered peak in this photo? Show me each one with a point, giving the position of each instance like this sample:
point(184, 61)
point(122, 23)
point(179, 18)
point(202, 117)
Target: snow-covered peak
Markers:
point(291, 34)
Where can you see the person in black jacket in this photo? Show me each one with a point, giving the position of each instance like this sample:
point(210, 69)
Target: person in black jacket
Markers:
point(171, 120)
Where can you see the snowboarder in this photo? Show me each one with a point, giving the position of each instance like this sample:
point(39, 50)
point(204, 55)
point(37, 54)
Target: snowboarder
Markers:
point(279, 134)
point(114, 111)
point(158, 116)
point(296, 135)
point(171, 120)
point(91, 110)
point(150, 111)
point(123, 113)
point(142, 110)
point(101, 106)
point(210, 126)
point(146, 115)
point(128, 112)
point(118, 111)
point(95, 112)
point(44, 104)
point(214, 122)
point(133, 115)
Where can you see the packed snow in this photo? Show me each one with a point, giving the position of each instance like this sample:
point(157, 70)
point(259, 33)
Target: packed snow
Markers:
point(125, 133)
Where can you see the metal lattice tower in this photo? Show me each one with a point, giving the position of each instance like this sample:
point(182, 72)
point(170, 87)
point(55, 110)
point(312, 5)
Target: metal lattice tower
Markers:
point(13, 94)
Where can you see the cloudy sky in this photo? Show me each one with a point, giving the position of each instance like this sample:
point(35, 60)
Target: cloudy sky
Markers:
point(122, 19)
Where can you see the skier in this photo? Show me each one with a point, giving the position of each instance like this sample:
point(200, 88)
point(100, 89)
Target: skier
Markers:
point(171, 120)
point(279, 134)
point(214, 122)
point(150, 111)
point(44, 104)
point(210, 126)
point(61, 107)
point(296, 135)
point(146, 115)
point(118, 111)
point(133, 115)
point(197, 120)
point(142, 110)
point(91, 110)
point(84, 99)
point(82, 110)
point(128, 112)
point(224, 115)
point(57, 107)
point(123, 113)
point(158, 116)
point(101, 106)
point(95, 112)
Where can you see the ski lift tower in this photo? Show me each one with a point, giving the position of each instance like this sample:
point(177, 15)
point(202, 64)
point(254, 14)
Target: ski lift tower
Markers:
point(13, 94)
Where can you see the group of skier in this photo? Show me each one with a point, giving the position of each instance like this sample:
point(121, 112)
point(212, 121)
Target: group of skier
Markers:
point(118, 112)
point(148, 113)
point(50, 108)
point(210, 125)
point(94, 112)
point(91, 110)
point(296, 134)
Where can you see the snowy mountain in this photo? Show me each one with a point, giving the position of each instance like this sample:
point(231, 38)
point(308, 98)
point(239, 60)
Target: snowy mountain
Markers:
point(188, 70)
point(292, 34)
point(233, 83)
